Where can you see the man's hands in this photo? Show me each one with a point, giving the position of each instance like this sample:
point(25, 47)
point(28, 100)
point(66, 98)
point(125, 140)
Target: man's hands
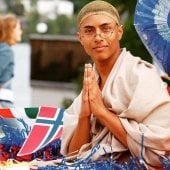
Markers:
point(85, 107)
point(92, 102)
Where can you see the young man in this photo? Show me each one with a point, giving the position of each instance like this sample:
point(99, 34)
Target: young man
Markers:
point(123, 106)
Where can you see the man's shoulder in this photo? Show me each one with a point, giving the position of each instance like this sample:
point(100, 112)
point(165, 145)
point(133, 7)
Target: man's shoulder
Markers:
point(137, 60)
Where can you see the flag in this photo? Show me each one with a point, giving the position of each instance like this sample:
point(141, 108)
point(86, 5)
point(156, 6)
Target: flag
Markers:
point(11, 117)
point(47, 128)
point(19, 112)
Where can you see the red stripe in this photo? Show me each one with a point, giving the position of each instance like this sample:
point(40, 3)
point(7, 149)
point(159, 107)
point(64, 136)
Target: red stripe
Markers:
point(168, 88)
point(6, 113)
point(36, 136)
point(48, 112)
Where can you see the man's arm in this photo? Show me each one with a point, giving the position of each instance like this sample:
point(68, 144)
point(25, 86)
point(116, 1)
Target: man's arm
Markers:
point(99, 110)
point(82, 131)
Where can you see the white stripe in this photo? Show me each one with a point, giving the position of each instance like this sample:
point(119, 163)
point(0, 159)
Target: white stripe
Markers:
point(19, 112)
point(6, 94)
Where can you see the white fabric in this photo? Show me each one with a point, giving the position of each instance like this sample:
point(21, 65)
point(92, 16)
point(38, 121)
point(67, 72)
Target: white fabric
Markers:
point(6, 94)
point(136, 93)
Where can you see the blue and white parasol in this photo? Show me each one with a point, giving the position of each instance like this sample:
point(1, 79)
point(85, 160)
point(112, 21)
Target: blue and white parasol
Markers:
point(152, 23)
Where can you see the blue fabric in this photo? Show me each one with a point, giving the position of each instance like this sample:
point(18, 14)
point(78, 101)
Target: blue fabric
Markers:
point(152, 21)
point(6, 64)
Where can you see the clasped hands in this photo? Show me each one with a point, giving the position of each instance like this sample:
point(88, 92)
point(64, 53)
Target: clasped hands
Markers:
point(92, 102)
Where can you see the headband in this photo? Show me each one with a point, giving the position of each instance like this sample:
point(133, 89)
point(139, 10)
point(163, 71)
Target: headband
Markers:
point(98, 7)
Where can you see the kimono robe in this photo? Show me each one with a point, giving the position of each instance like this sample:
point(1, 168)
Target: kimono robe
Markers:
point(136, 93)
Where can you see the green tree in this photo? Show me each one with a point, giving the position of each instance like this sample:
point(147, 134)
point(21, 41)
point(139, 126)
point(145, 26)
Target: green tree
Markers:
point(132, 41)
point(63, 23)
point(32, 19)
point(15, 7)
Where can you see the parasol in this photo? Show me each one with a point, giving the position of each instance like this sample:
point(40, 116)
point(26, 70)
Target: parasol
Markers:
point(152, 23)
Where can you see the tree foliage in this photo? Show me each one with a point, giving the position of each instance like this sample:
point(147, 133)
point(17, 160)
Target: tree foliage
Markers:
point(15, 7)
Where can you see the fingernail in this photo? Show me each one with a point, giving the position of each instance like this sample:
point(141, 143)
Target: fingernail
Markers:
point(88, 65)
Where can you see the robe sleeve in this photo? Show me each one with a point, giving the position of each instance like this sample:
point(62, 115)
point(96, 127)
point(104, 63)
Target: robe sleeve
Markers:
point(147, 117)
point(71, 116)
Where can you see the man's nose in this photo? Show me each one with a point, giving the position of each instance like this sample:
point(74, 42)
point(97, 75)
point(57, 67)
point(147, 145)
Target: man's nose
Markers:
point(98, 34)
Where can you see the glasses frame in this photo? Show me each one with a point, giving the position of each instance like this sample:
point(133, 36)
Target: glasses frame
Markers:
point(101, 34)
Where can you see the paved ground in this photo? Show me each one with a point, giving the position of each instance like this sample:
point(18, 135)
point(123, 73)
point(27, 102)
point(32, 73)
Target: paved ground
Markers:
point(27, 95)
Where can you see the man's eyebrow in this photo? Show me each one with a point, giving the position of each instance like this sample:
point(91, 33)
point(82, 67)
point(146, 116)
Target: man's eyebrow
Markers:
point(90, 26)
point(105, 24)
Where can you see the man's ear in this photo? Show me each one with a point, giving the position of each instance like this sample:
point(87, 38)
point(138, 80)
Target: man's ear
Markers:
point(79, 38)
point(120, 32)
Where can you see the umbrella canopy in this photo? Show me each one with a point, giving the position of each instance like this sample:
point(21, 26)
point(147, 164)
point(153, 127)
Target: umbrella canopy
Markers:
point(152, 23)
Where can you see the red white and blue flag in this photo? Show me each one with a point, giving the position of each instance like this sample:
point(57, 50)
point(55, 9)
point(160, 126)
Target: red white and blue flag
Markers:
point(47, 128)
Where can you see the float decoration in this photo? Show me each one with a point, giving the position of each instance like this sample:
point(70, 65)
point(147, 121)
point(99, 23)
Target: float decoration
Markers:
point(152, 23)
point(17, 128)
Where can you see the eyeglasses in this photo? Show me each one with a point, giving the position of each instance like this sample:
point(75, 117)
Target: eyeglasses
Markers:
point(105, 32)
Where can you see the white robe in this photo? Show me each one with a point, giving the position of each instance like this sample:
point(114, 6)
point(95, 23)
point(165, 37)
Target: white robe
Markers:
point(136, 93)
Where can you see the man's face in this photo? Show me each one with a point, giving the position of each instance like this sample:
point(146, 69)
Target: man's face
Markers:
point(100, 36)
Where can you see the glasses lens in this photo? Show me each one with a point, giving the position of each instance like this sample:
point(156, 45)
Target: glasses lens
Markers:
point(104, 33)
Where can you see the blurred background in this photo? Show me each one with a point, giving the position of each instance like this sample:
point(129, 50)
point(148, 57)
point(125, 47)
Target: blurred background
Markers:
point(49, 61)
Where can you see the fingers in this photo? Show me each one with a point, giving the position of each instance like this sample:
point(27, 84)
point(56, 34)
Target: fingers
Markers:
point(87, 74)
point(91, 93)
point(88, 65)
point(88, 71)
point(85, 95)
point(90, 85)
point(86, 80)
point(91, 80)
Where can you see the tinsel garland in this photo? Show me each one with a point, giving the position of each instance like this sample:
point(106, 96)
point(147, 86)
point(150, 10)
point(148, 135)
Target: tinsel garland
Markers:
point(104, 164)
point(13, 139)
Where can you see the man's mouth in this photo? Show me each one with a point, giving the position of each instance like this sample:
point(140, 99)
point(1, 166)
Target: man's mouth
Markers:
point(100, 48)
